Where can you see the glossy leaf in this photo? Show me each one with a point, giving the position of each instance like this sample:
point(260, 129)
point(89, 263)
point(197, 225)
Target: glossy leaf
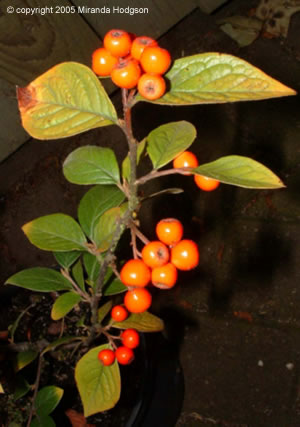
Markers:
point(95, 202)
point(66, 100)
point(212, 78)
point(77, 272)
point(104, 310)
point(47, 399)
point(40, 279)
point(106, 227)
point(98, 385)
point(24, 358)
point(66, 259)
point(240, 171)
point(143, 322)
point(126, 162)
point(56, 232)
point(114, 287)
point(64, 304)
point(168, 141)
point(90, 165)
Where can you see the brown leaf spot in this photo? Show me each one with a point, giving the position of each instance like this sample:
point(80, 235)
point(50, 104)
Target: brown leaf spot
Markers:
point(26, 97)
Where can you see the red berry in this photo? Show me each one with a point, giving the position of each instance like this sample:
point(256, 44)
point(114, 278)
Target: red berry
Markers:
point(119, 313)
point(106, 357)
point(130, 338)
point(155, 254)
point(124, 355)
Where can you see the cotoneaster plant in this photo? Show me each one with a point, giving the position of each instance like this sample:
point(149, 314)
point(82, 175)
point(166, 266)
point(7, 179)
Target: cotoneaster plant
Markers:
point(70, 99)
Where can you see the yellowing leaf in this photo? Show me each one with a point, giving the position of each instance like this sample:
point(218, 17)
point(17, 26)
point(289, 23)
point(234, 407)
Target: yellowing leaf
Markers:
point(143, 322)
point(66, 100)
point(212, 78)
point(99, 386)
point(240, 171)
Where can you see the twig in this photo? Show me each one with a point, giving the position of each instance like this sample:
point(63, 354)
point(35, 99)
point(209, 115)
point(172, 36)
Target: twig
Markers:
point(36, 387)
point(155, 174)
point(84, 295)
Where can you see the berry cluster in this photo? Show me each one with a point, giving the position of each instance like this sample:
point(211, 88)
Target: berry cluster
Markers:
point(124, 354)
point(133, 61)
point(187, 159)
point(159, 262)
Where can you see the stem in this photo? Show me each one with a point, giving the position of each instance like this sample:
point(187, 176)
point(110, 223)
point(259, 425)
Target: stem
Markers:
point(36, 387)
point(83, 294)
point(139, 234)
point(124, 222)
point(155, 174)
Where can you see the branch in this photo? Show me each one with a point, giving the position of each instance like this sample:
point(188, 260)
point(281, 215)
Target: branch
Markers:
point(155, 174)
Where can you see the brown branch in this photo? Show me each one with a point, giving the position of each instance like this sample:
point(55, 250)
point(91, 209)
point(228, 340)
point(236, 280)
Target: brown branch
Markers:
point(157, 174)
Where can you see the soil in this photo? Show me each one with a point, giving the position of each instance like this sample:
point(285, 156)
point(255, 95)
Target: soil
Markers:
point(234, 321)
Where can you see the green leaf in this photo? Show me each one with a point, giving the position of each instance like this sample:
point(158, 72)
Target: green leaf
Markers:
point(66, 100)
point(44, 421)
point(77, 272)
point(104, 310)
point(22, 387)
point(114, 287)
point(92, 266)
point(66, 259)
point(64, 304)
point(240, 171)
point(60, 341)
point(126, 162)
point(24, 358)
point(106, 226)
point(168, 141)
point(99, 386)
point(56, 232)
point(90, 165)
point(47, 399)
point(40, 279)
point(212, 78)
point(95, 202)
point(143, 322)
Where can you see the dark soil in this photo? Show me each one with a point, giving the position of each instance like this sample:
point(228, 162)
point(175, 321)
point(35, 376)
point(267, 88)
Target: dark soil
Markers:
point(234, 321)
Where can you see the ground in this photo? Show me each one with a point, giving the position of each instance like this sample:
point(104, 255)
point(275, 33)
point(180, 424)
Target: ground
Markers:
point(237, 315)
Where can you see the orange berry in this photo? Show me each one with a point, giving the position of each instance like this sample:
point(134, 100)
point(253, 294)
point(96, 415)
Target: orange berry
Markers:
point(187, 159)
point(155, 254)
point(124, 355)
point(119, 313)
point(139, 44)
point(151, 86)
point(117, 42)
point(164, 277)
point(155, 60)
point(106, 357)
point(130, 338)
point(205, 183)
point(103, 62)
point(185, 255)
point(135, 273)
point(169, 231)
point(138, 300)
point(126, 73)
